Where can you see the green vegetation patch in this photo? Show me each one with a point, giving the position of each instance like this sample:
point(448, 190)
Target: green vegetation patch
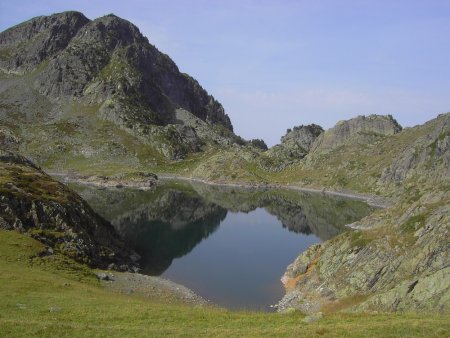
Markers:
point(414, 223)
point(49, 234)
point(359, 239)
point(54, 296)
point(28, 183)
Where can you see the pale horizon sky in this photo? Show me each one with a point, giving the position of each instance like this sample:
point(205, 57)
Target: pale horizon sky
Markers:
point(277, 64)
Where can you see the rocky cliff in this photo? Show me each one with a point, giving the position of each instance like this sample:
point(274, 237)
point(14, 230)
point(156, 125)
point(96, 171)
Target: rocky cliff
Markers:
point(396, 258)
point(303, 136)
point(26, 45)
point(102, 82)
point(104, 59)
point(33, 203)
point(393, 262)
point(296, 144)
point(361, 128)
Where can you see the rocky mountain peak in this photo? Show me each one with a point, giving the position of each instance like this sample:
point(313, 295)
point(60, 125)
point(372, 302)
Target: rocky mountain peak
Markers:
point(26, 45)
point(361, 128)
point(106, 62)
point(113, 31)
point(303, 135)
point(295, 144)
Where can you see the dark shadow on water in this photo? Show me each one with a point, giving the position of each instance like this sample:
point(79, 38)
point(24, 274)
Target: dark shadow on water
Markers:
point(159, 243)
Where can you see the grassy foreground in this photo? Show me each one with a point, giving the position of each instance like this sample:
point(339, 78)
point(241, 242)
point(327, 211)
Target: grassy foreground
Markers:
point(53, 296)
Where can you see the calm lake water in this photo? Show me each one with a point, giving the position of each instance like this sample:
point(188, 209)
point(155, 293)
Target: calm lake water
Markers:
point(229, 245)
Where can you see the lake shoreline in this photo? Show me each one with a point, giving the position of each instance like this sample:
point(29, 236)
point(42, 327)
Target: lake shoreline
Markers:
point(372, 200)
point(153, 286)
point(104, 182)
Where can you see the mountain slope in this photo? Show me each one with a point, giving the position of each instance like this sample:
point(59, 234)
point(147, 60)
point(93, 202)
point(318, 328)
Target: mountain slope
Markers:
point(397, 259)
point(92, 89)
point(31, 202)
point(109, 55)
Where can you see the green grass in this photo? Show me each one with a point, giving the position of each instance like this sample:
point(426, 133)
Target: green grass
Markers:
point(359, 239)
point(414, 223)
point(28, 183)
point(56, 297)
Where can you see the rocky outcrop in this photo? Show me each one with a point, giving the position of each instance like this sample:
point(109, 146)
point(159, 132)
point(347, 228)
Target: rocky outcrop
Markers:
point(258, 143)
point(423, 155)
point(303, 136)
point(33, 203)
point(396, 259)
point(8, 140)
point(25, 46)
point(296, 143)
point(401, 264)
point(361, 129)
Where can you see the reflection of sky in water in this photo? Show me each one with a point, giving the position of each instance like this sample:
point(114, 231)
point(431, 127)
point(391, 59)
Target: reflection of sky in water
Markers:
point(240, 265)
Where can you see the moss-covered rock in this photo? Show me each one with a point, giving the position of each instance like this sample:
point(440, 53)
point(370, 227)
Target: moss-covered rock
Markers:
point(31, 202)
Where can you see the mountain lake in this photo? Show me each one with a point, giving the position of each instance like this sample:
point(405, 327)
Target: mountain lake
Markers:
point(229, 245)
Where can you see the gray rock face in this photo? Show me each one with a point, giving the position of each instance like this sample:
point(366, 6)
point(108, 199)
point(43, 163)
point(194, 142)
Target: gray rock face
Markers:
point(303, 136)
point(295, 145)
point(26, 45)
point(72, 86)
point(422, 155)
point(8, 140)
point(362, 129)
point(408, 271)
point(103, 59)
point(88, 52)
point(31, 202)
point(398, 258)
point(202, 129)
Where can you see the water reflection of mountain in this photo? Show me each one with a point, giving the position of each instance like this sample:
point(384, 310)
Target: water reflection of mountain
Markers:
point(323, 215)
point(169, 221)
point(160, 224)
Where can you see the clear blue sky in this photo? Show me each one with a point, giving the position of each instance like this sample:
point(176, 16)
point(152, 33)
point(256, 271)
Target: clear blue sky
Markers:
point(276, 64)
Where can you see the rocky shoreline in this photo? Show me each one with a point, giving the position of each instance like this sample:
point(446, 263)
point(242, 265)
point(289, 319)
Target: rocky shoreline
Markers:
point(151, 287)
point(139, 180)
point(147, 181)
point(372, 200)
point(155, 287)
